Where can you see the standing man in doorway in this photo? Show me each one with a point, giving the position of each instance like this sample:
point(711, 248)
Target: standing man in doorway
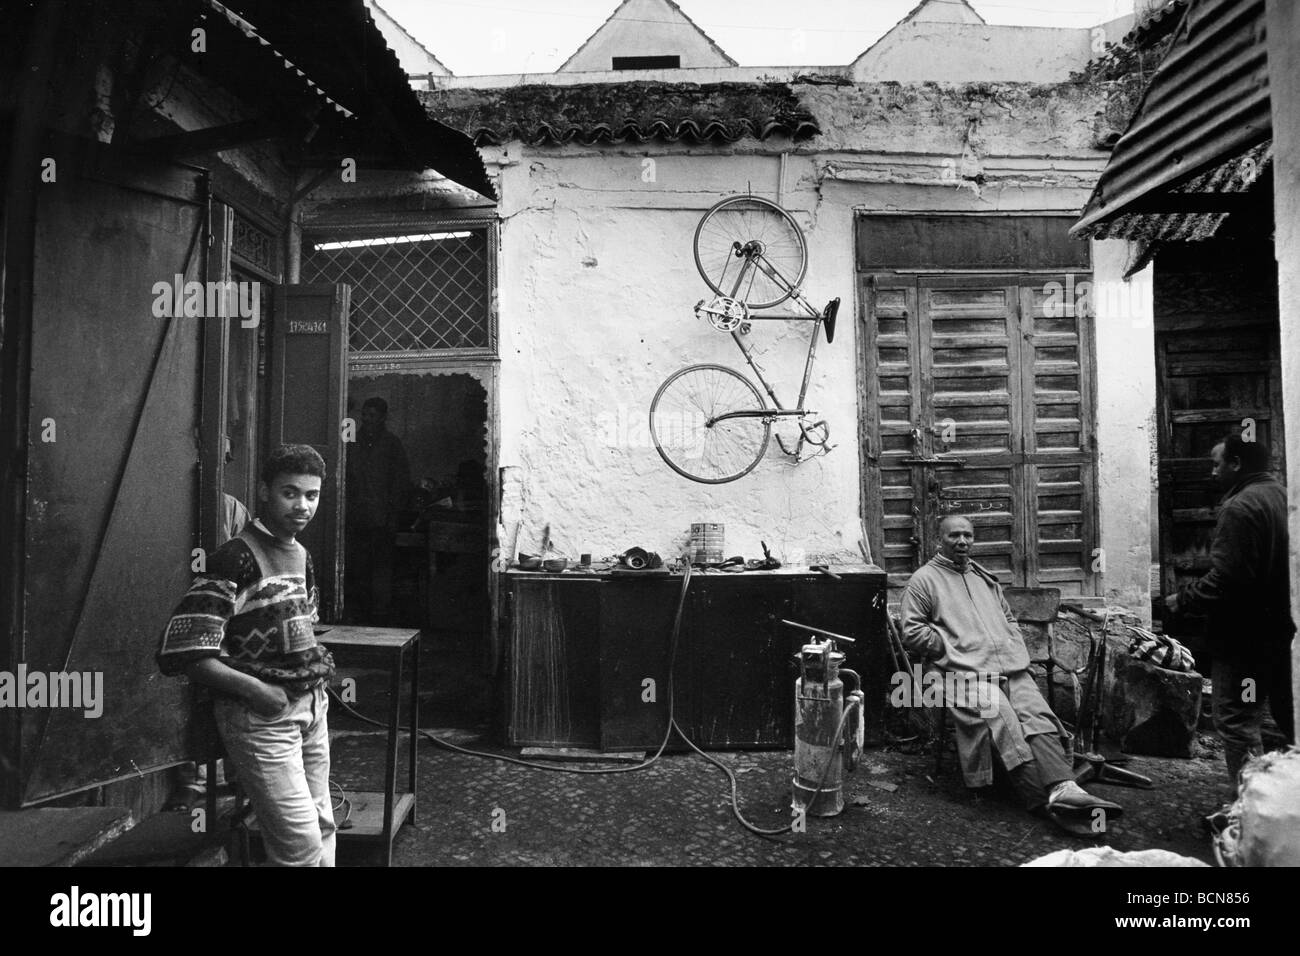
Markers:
point(379, 479)
point(1246, 598)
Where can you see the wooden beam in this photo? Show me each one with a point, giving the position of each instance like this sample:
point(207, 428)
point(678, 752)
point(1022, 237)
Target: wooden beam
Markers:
point(217, 138)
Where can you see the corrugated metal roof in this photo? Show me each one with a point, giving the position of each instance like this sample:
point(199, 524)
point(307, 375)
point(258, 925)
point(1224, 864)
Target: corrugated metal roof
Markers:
point(338, 52)
point(250, 31)
point(1207, 103)
point(544, 115)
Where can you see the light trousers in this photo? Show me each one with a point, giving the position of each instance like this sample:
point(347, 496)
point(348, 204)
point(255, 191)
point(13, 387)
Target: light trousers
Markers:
point(284, 767)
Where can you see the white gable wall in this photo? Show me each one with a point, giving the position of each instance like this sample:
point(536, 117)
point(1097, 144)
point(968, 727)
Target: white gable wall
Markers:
point(971, 52)
point(647, 28)
point(414, 57)
point(943, 11)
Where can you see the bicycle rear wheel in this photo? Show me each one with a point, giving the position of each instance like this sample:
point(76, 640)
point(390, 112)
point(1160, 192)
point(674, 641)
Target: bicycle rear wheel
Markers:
point(679, 417)
point(730, 237)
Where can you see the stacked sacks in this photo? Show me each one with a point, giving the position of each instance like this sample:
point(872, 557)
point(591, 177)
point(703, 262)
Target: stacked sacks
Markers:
point(1264, 824)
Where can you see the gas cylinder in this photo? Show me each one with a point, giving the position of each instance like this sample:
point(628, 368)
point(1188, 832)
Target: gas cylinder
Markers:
point(822, 729)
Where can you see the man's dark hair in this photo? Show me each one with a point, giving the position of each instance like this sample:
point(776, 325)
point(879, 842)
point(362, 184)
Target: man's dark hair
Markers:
point(293, 460)
point(1254, 455)
point(377, 403)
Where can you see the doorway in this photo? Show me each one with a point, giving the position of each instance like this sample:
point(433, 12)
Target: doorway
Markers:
point(440, 571)
point(1218, 370)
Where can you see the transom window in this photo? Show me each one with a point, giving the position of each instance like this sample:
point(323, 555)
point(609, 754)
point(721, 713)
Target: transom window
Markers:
point(412, 291)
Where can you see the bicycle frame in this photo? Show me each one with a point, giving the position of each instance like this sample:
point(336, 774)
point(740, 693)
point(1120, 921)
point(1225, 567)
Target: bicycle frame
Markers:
point(754, 259)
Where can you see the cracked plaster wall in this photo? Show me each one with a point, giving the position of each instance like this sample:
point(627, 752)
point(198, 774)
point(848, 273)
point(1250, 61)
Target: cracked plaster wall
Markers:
point(598, 285)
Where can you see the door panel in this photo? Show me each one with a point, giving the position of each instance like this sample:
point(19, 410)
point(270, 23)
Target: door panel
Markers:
point(112, 493)
point(1059, 476)
point(307, 392)
point(891, 345)
point(972, 417)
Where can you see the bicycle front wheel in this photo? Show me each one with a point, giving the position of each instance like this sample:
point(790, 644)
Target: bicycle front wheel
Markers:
point(734, 235)
point(688, 437)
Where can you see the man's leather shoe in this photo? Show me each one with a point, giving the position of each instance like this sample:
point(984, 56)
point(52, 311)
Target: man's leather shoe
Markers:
point(1073, 824)
point(1071, 798)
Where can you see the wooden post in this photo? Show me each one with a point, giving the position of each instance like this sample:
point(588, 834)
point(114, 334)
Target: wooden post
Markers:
point(18, 267)
point(1284, 91)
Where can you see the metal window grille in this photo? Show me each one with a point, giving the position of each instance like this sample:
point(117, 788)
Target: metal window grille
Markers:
point(415, 292)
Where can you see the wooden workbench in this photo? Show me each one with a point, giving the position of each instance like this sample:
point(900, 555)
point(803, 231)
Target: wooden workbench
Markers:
point(579, 648)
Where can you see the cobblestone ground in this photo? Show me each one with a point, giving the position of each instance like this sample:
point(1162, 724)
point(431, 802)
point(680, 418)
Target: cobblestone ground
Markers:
point(677, 812)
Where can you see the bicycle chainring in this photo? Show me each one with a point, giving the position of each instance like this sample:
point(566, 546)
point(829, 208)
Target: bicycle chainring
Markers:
point(725, 314)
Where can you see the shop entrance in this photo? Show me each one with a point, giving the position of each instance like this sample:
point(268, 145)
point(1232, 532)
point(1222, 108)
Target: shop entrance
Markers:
point(432, 574)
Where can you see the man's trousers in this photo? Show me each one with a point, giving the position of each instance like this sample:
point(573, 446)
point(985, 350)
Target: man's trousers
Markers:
point(1242, 682)
point(284, 767)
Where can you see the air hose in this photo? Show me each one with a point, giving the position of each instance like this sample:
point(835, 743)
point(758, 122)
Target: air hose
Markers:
point(668, 732)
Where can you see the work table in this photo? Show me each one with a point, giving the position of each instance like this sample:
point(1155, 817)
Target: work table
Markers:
point(618, 572)
point(580, 647)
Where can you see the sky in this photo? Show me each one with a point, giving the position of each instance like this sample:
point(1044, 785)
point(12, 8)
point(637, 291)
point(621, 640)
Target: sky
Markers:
point(476, 37)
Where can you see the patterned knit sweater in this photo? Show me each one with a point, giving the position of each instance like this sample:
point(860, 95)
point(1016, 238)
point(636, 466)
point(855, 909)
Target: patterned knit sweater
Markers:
point(253, 607)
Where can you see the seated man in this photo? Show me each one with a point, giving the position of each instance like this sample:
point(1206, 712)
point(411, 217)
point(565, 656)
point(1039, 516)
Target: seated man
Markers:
point(956, 619)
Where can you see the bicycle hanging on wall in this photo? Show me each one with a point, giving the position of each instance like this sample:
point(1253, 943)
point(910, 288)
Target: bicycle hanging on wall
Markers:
point(709, 422)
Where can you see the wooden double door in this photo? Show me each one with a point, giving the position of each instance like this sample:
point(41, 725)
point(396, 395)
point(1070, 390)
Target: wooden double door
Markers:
point(979, 402)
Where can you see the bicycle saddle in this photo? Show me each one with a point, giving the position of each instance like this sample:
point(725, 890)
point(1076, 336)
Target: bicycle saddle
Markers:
point(828, 316)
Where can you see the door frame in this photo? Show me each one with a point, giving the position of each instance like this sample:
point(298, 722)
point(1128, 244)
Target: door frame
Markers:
point(482, 364)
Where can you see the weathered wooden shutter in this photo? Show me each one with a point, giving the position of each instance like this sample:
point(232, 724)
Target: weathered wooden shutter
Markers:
point(891, 359)
point(970, 373)
point(1059, 445)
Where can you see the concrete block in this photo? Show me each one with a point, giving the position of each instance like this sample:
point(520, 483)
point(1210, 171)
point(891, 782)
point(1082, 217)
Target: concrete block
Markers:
point(1157, 710)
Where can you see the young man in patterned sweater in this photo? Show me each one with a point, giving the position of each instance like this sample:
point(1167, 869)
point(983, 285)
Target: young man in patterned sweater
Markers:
point(244, 629)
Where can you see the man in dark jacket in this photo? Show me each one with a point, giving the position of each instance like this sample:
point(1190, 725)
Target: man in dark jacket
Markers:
point(1246, 600)
point(378, 483)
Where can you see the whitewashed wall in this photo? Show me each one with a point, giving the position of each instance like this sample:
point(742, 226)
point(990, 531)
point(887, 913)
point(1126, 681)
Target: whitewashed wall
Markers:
point(598, 284)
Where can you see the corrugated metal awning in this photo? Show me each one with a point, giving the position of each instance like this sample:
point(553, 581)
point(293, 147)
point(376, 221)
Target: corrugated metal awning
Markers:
point(250, 31)
point(1206, 105)
point(1230, 182)
point(338, 56)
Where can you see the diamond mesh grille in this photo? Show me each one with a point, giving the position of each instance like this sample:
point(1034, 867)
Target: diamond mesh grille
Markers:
point(413, 292)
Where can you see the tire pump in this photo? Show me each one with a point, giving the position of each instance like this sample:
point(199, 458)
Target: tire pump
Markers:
point(828, 726)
